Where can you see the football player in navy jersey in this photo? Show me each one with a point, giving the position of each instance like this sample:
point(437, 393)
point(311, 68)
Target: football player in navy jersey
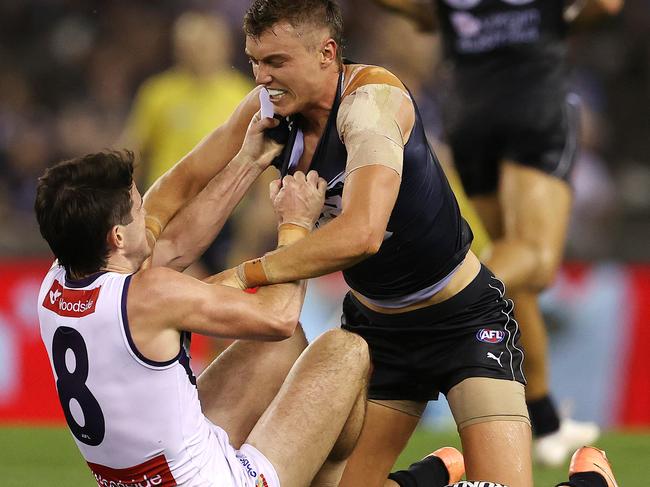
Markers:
point(512, 128)
point(435, 319)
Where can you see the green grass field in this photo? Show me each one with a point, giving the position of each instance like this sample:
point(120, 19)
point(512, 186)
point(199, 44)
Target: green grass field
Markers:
point(48, 456)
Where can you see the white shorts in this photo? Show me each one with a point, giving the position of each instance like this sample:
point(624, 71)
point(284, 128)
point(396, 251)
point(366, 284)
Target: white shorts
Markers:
point(248, 466)
point(257, 467)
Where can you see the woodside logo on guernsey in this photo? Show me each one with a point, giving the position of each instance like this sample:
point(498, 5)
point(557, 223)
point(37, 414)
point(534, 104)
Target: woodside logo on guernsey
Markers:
point(71, 302)
point(152, 473)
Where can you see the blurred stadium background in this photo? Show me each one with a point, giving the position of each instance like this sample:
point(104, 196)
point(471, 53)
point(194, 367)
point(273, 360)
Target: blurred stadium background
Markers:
point(79, 76)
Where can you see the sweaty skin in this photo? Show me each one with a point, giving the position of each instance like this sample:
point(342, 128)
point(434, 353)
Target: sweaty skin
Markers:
point(303, 80)
point(374, 123)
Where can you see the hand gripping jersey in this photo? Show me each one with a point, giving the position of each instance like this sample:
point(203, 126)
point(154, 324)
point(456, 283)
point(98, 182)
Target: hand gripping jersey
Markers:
point(135, 421)
point(426, 238)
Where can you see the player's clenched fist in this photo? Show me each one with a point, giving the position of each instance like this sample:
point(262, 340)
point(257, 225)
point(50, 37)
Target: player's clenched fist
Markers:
point(298, 199)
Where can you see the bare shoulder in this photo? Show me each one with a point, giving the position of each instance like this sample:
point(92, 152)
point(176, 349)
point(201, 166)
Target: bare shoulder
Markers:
point(152, 284)
point(375, 100)
point(160, 286)
point(157, 295)
point(358, 75)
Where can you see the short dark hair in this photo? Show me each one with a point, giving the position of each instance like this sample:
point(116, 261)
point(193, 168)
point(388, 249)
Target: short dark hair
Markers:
point(264, 14)
point(78, 201)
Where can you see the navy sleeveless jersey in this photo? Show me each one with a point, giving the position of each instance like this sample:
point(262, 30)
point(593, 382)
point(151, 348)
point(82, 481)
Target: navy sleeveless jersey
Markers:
point(426, 236)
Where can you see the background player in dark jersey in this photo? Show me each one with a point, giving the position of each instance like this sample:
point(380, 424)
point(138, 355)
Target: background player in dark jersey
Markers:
point(512, 128)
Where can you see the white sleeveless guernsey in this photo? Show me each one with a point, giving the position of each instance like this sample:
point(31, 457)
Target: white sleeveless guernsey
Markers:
point(138, 423)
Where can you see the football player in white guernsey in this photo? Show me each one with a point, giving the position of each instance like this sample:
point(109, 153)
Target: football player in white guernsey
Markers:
point(116, 314)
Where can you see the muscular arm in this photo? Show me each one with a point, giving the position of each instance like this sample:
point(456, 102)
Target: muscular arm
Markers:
point(422, 12)
point(161, 299)
point(368, 199)
point(162, 302)
point(196, 224)
point(192, 173)
point(375, 121)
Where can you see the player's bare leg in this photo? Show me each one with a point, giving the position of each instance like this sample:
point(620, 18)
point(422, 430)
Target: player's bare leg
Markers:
point(330, 473)
point(385, 434)
point(498, 451)
point(516, 224)
point(535, 210)
point(528, 221)
point(534, 336)
point(494, 429)
point(262, 367)
point(302, 426)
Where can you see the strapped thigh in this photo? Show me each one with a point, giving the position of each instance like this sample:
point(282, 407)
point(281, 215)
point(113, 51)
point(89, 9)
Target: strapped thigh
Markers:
point(483, 399)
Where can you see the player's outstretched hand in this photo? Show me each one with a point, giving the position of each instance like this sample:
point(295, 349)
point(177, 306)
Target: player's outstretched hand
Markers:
point(258, 148)
point(298, 199)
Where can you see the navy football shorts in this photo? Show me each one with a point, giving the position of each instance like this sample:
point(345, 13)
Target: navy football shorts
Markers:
point(539, 130)
point(420, 353)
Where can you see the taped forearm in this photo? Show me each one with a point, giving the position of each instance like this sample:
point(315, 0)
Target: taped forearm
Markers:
point(256, 272)
point(289, 233)
point(334, 247)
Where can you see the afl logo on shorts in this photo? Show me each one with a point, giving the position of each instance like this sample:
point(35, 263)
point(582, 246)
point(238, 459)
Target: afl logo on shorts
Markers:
point(490, 336)
point(261, 481)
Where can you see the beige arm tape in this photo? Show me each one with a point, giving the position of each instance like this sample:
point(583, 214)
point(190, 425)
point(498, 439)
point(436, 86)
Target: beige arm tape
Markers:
point(290, 232)
point(252, 273)
point(256, 272)
point(154, 229)
point(374, 122)
point(483, 399)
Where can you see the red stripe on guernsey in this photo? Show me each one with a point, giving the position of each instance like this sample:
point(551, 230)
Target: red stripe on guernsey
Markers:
point(71, 302)
point(635, 408)
point(154, 472)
